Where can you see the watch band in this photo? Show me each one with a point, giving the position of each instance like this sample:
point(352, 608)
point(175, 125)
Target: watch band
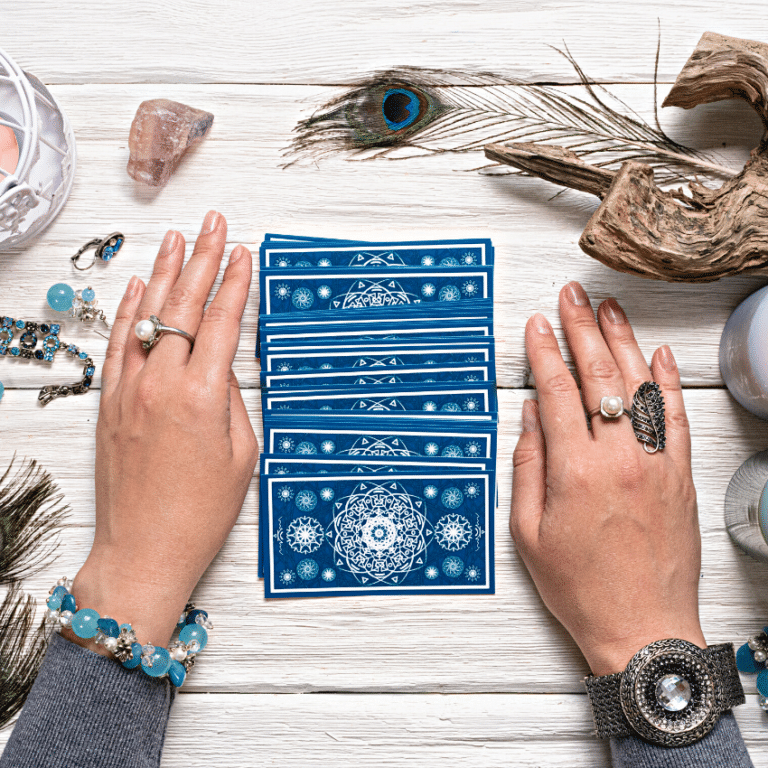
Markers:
point(605, 694)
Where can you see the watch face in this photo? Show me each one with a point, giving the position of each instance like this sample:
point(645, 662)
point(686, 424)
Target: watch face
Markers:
point(668, 693)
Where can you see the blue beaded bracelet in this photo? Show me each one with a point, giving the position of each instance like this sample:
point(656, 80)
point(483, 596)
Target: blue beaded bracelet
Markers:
point(173, 662)
point(752, 658)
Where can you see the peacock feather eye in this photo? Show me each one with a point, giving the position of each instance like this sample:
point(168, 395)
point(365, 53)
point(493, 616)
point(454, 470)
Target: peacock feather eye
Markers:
point(400, 108)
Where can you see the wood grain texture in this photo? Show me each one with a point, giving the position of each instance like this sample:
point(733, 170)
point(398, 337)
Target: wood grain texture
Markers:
point(394, 681)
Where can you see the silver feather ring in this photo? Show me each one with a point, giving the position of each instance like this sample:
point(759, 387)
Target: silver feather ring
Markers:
point(648, 417)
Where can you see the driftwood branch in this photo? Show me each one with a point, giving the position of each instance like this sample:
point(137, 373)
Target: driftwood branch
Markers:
point(669, 235)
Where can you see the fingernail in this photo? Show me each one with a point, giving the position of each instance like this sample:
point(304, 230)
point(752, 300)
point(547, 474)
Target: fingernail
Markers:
point(237, 252)
point(541, 324)
point(576, 294)
point(133, 285)
point(169, 242)
point(529, 416)
point(667, 359)
point(614, 312)
point(210, 222)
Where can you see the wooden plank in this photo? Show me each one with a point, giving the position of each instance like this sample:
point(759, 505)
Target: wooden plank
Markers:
point(314, 41)
point(405, 644)
point(394, 731)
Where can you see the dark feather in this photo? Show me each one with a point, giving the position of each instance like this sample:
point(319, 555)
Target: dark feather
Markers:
point(462, 111)
point(22, 647)
point(648, 416)
point(30, 512)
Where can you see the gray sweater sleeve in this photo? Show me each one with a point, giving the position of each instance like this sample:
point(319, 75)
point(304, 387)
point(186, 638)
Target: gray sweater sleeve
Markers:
point(722, 747)
point(88, 711)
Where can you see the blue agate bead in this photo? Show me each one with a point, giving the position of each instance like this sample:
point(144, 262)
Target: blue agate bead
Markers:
point(762, 683)
point(194, 632)
point(136, 660)
point(192, 615)
point(60, 297)
point(745, 661)
point(84, 623)
point(108, 627)
point(59, 591)
point(53, 601)
point(161, 662)
point(176, 673)
point(88, 294)
point(68, 603)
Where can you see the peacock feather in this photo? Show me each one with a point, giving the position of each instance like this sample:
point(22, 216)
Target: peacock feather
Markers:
point(411, 111)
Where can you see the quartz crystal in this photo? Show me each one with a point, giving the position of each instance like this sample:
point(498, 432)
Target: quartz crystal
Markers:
point(673, 692)
point(161, 133)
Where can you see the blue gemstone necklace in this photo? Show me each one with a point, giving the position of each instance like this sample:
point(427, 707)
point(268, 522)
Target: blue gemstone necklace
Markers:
point(19, 338)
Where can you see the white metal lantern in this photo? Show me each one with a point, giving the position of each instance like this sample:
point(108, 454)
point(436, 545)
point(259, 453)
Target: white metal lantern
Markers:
point(37, 155)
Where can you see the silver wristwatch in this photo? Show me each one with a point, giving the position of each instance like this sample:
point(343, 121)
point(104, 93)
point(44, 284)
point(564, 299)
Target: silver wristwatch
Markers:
point(671, 693)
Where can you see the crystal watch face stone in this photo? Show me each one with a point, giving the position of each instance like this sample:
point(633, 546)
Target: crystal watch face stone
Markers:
point(673, 692)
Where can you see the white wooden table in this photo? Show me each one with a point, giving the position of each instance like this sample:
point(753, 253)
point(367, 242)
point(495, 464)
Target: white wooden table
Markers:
point(393, 681)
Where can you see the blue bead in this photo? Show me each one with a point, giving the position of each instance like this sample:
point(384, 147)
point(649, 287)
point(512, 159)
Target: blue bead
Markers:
point(20, 324)
point(55, 328)
point(176, 673)
point(68, 603)
point(54, 601)
point(136, 660)
point(83, 355)
point(745, 661)
point(90, 370)
point(60, 297)
point(15, 351)
point(84, 623)
point(192, 615)
point(762, 683)
point(161, 662)
point(88, 294)
point(108, 627)
point(7, 322)
point(194, 632)
point(2, 390)
point(60, 591)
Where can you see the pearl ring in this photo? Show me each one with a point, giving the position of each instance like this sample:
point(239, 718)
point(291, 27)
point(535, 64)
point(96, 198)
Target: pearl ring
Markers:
point(150, 331)
point(611, 407)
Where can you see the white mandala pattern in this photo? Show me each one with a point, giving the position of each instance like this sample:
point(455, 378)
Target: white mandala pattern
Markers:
point(431, 449)
point(431, 572)
point(306, 500)
point(471, 404)
point(379, 533)
point(379, 446)
point(327, 494)
point(469, 288)
point(327, 446)
point(453, 567)
point(450, 407)
point(304, 264)
point(305, 535)
point(324, 263)
point(472, 573)
point(471, 490)
point(282, 291)
point(285, 493)
point(428, 290)
point(287, 577)
point(431, 492)
point(286, 444)
point(374, 293)
point(453, 451)
point(429, 406)
point(281, 470)
point(326, 367)
point(449, 293)
point(427, 261)
point(449, 261)
point(307, 569)
point(453, 532)
point(324, 292)
point(283, 367)
point(468, 259)
point(452, 498)
point(328, 574)
point(305, 448)
point(302, 298)
point(283, 262)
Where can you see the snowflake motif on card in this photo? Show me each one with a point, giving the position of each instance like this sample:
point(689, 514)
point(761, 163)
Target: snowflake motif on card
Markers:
point(453, 532)
point(305, 448)
point(453, 567)
point(471, 359)
point(430, 405)
point(427, 261)
point(473, 573)
point(302, 298)
point(449, 261)
point(469, 289)
point(430, 492)
point(379, 446)
point(325, 408)
point(287, 577)
point(471, 404)
point(366, 293)
point(450, 407)
point(328, 574)
point(285, 493)
point(324, 292)
point(473, 448)
point(327, 446)
point(431, 572)
point(281, 470)
point(428, 290)
point(449, 293)
point(470, 377)
point(453, 451)
point(305, 535)
point(283, 367)
point(430, 362)
point(452, 498)
point(431, 449)
point(304, 264)
point(282, 291)
point(326, 367)
point(283, 408)
point(283, 262)
point(306, 500)
point(379, 533)
point(307, 569)
point(472, 490)
point(327, 494)
point(468, 259)
point(285, 444)
point(324, 263)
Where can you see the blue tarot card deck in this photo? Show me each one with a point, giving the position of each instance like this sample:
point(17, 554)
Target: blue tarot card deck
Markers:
point(410, 533)
point(378, 372)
